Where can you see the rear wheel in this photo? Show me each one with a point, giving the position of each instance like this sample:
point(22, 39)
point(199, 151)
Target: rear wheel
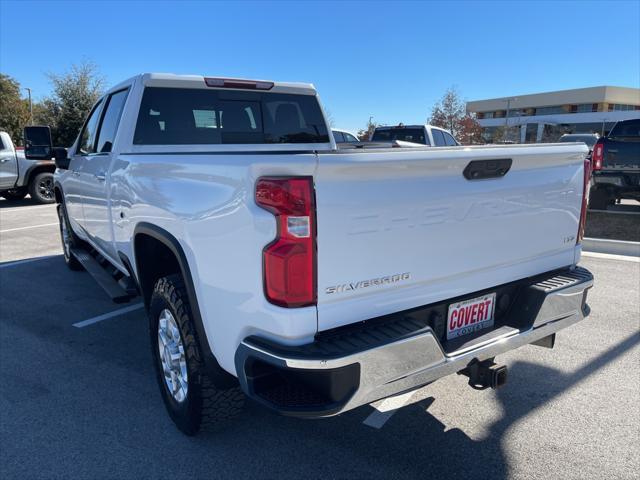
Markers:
point(69, 239)
point(14, 193)
point(191, 398)
point(41, 188)
point(600, 199)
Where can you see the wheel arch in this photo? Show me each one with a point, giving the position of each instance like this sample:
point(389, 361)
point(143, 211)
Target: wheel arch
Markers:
point(151, 242)
point(36, 169)
point(57, 191)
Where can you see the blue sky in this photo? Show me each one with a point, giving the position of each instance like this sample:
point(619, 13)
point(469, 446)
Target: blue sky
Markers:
point(391, 60)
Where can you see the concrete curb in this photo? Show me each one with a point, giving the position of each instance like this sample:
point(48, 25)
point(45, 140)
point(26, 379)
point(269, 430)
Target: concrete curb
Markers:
point(612, 247)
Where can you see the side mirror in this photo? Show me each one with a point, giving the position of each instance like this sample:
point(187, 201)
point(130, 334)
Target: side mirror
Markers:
point(61, 158)
point(37, 143)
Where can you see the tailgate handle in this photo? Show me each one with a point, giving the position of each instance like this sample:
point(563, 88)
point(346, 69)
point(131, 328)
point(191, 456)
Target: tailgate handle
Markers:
point(493, 168)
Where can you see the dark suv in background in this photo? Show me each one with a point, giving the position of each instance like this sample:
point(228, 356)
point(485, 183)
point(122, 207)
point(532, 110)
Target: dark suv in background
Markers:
point(615, 163)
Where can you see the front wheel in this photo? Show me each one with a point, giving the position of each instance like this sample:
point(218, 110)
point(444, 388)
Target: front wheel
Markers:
point(14, 193)
point(69, 239)
point(41, 188)
point(191, 398)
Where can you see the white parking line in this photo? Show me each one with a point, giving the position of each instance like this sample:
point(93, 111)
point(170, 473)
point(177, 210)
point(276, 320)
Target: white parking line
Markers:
point(107, 316)
point(20, 209)
point(26, 228)
point(611, 256)
point(26, 260)
point(386, 409)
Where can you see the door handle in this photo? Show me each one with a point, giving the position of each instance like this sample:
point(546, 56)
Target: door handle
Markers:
point(75, 173)
point(5, 159)
point(101, 177)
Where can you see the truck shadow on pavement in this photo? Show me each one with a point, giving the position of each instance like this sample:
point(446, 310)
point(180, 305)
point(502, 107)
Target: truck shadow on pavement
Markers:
point(41, 300)
point(415, 445)
point(24, 202)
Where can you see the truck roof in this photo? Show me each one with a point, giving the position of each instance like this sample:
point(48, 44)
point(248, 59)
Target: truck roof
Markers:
point(172, 80)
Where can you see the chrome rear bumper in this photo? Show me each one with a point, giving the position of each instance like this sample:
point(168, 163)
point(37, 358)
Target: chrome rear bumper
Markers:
point(336, 374)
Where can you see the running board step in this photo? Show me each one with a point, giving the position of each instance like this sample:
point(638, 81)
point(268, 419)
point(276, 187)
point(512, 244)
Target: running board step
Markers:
point(101, 276)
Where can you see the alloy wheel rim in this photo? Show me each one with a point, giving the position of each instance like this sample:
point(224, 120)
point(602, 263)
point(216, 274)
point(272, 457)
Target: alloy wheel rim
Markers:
point(172, 357)
point(45, 188)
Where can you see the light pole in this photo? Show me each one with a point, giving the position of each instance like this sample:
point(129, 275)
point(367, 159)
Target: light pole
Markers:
point(30, 106)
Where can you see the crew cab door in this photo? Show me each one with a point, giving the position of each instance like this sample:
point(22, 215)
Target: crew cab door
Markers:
point(73, 184)
point(94, 176)
point(8, 162)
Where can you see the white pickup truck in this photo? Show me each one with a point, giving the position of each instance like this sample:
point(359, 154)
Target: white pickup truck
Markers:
point(416, 134)
point(19, 175)
point(311, 279)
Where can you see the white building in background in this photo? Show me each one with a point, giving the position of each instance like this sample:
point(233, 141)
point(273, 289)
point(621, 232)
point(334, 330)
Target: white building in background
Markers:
point(543, 117)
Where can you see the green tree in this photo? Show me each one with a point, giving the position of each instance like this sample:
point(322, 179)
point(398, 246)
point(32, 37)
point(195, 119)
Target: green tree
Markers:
point(74, 93)
point(448, 112)
point(14, 111)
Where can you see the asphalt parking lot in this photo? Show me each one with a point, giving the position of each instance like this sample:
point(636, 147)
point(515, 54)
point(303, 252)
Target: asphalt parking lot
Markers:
point(78, 397)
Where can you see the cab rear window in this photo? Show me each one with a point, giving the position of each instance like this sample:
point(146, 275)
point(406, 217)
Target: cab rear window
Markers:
point(415, 135)
point(176, 116)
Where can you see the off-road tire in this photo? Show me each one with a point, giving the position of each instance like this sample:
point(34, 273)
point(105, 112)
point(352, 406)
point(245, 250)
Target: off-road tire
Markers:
point(205, 406)
point(41, 188)
point(14, 193)
point(74, 242)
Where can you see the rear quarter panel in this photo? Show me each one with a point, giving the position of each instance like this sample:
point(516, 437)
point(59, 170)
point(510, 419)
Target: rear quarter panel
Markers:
point(206, 201)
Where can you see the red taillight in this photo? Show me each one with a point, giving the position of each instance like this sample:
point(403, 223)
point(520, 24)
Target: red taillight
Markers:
point(289, 262)
point(585, 196)
point(238, 83)
point(597, 157)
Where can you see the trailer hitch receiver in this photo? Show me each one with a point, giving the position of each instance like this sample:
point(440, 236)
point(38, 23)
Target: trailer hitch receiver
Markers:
point(485, 374)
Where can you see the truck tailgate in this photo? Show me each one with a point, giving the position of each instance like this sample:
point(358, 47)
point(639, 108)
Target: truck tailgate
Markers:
point(622, 154)
point(401, 228)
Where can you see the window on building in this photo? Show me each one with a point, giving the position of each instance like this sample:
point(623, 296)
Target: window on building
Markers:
point(585, 107)
point(618, 107)
point(550, 110)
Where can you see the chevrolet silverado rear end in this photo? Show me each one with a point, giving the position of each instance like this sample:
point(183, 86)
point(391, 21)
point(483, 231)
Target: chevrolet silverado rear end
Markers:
point(427, 263)
point(314, 279)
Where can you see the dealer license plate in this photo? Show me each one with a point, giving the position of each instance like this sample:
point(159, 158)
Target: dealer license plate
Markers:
point(470, 315)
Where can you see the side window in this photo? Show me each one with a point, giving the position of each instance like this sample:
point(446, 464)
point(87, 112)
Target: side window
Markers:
point(1, 144)
point(338, 136)
point(88, 135)
point(111, 120)
point(438, 138)
point(350, 138)
point(449, 140)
